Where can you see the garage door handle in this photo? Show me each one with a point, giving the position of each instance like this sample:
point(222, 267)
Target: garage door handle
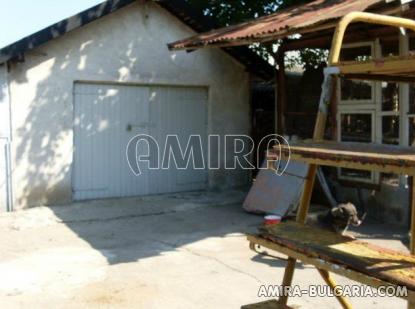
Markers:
point(141, 125)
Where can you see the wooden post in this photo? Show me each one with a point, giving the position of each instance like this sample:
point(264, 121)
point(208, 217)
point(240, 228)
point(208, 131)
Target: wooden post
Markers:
point(411, 305)
point(276, 102)
point(331, 283)
point(333, 108)
point(287, 279)
point(325, 99)
point(412, 205)
point(281, 93)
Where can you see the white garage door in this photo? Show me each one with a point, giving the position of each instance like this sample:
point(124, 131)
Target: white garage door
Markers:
point(108, 116)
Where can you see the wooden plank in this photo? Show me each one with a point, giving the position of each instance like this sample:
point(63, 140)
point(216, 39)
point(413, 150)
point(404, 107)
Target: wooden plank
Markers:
point(376, 157)
point(319, 263)
point(407, 78)
point(403, 65)
point(384, 264)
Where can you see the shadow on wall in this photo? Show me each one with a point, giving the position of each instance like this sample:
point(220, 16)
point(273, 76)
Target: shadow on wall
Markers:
point(43, 158)
point(127, 46)
point(43, 120)
point(43, 114)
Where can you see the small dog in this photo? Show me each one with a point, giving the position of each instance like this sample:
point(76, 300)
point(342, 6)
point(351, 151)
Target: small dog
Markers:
point(339, 218)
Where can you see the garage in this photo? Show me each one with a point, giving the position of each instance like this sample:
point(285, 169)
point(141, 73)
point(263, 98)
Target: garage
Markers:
point(108, 116)
point(80, 89)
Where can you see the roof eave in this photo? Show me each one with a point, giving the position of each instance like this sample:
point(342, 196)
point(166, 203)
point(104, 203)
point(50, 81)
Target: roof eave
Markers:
point(60, 28)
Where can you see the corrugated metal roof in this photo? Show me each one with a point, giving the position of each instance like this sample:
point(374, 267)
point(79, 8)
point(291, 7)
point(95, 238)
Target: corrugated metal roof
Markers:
point(285, 22)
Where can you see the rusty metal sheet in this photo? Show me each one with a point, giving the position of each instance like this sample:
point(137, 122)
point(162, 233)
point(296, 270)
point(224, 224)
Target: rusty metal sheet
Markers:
point(285, 22)
point(274, 194)
point(385, 264)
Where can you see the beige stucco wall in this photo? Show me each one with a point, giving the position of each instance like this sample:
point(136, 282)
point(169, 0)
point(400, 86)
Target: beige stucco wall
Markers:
point(126, 46)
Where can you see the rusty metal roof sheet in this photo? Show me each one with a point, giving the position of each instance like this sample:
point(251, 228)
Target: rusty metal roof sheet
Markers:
point(292, 20)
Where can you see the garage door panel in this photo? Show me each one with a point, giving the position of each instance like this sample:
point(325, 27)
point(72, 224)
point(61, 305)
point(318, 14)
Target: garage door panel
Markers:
point(134, 116)
point(93, 110)
point(108, 116)
point(181, 112)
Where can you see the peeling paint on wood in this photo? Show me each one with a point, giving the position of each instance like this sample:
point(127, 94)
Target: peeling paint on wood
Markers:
point(380, 263)
point(384, 158)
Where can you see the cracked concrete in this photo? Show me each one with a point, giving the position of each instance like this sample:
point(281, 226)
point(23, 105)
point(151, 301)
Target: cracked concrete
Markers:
point(175, 251)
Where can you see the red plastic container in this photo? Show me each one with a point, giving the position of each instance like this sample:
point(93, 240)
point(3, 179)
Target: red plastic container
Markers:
point(272, 219)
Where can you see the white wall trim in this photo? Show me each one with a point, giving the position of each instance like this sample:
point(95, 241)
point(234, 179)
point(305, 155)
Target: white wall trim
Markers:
point(5, 123)
point(5, 139)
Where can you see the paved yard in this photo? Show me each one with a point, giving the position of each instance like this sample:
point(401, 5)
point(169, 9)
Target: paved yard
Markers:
point(176, 251)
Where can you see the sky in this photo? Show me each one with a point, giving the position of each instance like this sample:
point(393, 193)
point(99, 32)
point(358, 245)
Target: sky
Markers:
point(19, 18)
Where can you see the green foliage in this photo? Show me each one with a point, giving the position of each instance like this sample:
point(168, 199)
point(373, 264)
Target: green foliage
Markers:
point(229, 12)
point(307, 58)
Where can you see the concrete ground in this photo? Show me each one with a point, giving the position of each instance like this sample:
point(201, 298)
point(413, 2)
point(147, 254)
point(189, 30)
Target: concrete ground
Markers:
point(174, 251)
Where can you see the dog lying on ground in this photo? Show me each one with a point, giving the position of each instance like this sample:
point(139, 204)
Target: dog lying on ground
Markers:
point(336, 219)
point(339, 218)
